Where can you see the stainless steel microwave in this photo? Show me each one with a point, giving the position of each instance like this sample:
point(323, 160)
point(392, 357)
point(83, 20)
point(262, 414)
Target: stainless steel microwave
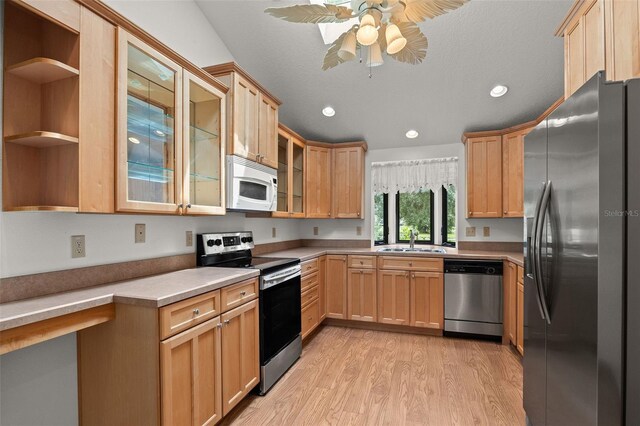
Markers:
point(250, 185)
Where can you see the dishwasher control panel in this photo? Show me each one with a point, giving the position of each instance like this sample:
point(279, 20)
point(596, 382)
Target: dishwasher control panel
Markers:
point(473, 267)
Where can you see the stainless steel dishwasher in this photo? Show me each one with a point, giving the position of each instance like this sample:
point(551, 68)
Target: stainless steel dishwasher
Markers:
point(473, 297)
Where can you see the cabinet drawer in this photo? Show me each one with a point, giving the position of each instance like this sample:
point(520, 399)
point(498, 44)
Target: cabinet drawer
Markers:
point(362, 262)
point(237, 294)
point(309, 295)
point(520, 275)
point(308, 281)
point(309, 266)
point(411, 263)
point(310, 316)
point(185, 314)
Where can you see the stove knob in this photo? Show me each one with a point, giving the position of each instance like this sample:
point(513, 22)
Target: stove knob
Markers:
point(210, 243)
point(218, 242)
point(250, 239)
point(244, 239)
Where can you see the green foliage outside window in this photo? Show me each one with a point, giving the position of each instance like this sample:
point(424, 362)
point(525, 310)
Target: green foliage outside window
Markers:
point(378, 217)
point(451, 213)
point(415, 213)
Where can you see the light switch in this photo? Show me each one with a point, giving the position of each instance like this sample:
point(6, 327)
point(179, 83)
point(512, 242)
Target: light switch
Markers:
point(486, 231)
point(470, 231)
point(189, 238)
point(273, 232)
point(315, 230)
point(358, 230)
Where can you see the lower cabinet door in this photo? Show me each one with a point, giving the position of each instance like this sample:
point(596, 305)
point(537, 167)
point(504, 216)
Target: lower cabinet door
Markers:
point(520, 320)
point(240, 353)
point(393, 297)
point(427, 300)
point(511, 301)
point(336, 283)
point(310, 317)
point(322, 287)
point(361, 295)
point(191, 376)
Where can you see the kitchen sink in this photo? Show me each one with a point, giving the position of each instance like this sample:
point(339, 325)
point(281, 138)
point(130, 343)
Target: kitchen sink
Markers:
point(412, 250)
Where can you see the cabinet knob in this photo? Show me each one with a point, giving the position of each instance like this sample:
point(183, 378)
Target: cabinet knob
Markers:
point(180, 205)
point(358, 214)
point(361, 272)
point(361, 262)
point(413, 275)
point(505, 212)
point(189, 205)
point(226, 322)
point(219, 325)
point(196, 311)
point(410, 263)
point(243, 293)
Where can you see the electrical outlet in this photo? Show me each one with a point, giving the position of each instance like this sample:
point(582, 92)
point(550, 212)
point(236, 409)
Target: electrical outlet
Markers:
point(315, 230)
point(273, 232)
point(486, 231)
point(470, 231)
point(189, 238)
point(140, 233)
point(358, 230)
point(77, 246)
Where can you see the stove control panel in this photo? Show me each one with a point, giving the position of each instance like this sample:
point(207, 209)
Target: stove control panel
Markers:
point(225, 242)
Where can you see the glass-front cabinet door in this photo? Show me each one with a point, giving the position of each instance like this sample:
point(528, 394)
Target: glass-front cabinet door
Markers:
point(282, 209)
point(150, 129)
point(297, 178)
point(290, 174)
point(203, 190)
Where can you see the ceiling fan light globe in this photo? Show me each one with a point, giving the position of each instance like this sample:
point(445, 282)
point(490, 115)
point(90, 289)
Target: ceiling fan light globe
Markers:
point(395, 41)
point(375, 55)
point(348, 48)
point(367, 33)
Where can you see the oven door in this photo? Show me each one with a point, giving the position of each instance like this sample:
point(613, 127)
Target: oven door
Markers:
point(251, 186)
point(280, 317)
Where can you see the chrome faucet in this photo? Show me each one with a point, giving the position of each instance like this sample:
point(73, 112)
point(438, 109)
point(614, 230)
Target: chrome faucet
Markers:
point(412, 239)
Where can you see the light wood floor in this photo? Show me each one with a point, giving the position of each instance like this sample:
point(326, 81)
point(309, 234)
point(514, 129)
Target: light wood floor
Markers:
point(360, 377)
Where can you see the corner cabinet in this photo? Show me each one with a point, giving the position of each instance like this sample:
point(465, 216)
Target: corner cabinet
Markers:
point(58, 131)
point(252, 115)
point(170, 122)
point(513, 174)
point(318, 182)
point(484, 177)
point(348, 182)
point(291, 169)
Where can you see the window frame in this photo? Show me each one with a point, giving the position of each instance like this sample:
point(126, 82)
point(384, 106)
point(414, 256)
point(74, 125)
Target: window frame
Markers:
point(385, 220)
point(431, 219)
point(444, 224)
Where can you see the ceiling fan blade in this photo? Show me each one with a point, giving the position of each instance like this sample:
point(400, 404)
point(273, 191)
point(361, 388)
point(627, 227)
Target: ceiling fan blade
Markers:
point(331, 59)
point(311, 13)
point(416, 48)
point(419, 10)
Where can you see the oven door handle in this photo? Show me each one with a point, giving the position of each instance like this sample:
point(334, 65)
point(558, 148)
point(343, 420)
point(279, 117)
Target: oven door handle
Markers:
point(271, 280)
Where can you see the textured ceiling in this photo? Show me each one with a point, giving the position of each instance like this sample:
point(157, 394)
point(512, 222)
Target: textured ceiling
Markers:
point(470, 50)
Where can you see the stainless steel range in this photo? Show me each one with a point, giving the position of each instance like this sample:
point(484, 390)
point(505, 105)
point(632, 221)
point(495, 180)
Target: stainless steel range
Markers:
point(280, 317)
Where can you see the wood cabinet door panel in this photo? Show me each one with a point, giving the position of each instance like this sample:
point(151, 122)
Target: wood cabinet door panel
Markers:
point(622, 23)
point(484, 177)
point(361, 295)
point(240, 353)
point(513, 175)
point(427, 300)
point(574, 58)
point(268, 132)
point(246, 111)
point(309, 266)
point(336, 286)
point(191, 376)
point(348, 181)
point(510, 300)
point(310, 318)
point(322, 287)
point(318, 182)
point(520, 319)
point(594, 39)
point(237, 294)
point(393, 297)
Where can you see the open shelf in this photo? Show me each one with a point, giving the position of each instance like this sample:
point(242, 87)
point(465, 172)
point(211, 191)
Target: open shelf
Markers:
point(41, 139)
point(42, 70)
point(43, 209)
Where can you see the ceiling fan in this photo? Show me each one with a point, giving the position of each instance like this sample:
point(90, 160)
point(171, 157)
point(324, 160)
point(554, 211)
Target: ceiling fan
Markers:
point(383, 25)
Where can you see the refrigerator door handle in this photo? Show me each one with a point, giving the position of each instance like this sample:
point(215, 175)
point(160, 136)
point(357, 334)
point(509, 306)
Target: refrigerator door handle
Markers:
point(538, 252)
point(532, 249)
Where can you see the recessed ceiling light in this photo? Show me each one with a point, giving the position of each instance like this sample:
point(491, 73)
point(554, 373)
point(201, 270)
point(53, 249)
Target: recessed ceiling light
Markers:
point(159, 132)
point(134, 140)
point(498, 91)
point(328, 111)
point(412, 134)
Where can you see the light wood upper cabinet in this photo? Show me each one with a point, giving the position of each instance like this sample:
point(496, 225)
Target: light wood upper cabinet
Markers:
point(427, 300)
point(252, 119)
point(513, 174)
point(59, 58)
point(336, 286)
point(484, 177)
point(291, 170)
point(318, 182)
point(601, 35)
point(348, 182)
point(191, 376)
point(394, 295)
point(240, 353)
point(361, 295)
point(170, 125)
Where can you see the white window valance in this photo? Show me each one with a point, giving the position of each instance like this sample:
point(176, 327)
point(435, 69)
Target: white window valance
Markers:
point(413, 175)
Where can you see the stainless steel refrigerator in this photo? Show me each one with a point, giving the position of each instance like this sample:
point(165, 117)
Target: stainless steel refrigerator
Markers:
point(581, 254)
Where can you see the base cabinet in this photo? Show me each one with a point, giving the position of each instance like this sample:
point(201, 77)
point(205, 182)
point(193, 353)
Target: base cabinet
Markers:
point(510, 296)
point(427, 300)
point(322, 287)
point(336, 283)
point(191, 378)
point(361, 295)
point(240, 353)
point(394, 297)
point(520, 319)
